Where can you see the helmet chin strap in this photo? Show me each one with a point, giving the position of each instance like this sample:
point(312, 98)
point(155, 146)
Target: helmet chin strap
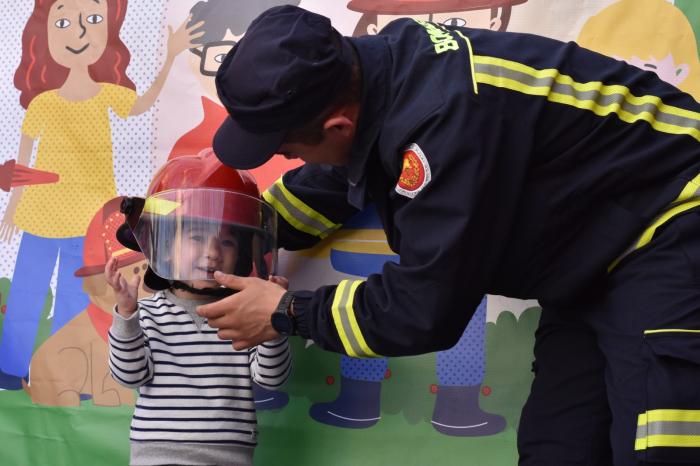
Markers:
point(217, 292)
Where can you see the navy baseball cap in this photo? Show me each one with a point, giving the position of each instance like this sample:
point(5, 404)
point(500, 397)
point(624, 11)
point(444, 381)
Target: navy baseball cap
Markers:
point(287, 69)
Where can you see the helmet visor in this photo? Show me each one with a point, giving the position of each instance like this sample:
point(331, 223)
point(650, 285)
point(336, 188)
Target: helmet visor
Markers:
point(188, 234)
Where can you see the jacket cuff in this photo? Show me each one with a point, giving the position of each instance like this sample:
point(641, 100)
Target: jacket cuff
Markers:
point(302, 313)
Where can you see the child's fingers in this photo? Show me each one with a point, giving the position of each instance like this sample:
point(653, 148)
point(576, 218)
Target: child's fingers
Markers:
point(135, 281)
point(108, 266)
point(119, 281)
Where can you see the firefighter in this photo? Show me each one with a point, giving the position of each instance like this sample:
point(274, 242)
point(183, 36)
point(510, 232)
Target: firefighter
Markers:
point(499, 163)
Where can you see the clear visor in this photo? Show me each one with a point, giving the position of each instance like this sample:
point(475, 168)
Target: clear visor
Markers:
point(188, 234)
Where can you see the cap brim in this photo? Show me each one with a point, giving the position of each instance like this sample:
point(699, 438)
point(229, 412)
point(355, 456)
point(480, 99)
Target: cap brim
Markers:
point(125, 259)
point(241, 149)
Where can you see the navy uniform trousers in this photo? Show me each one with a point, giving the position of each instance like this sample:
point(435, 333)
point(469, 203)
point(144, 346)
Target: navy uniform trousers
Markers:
point(617, 377)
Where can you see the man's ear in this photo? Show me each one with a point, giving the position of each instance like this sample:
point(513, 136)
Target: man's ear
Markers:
point(340, 124)
point(342, 121)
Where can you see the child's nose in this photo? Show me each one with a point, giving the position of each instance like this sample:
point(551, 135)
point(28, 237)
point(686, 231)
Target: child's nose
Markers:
point(213, 248)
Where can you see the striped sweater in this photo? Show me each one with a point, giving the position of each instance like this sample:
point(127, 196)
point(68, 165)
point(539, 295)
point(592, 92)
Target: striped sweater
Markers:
point(193, 387)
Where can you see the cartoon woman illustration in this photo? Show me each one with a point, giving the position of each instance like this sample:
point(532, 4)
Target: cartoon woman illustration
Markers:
point(72, 72)
point(622, 31)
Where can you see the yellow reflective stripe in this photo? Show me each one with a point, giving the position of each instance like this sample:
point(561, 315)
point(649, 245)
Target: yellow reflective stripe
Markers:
point(670, 330)
point(471, 59)
point(681, 441)
point(664, 415)
point(158, 206)
point(690, 189)
point(282, 210)
point(531, 81)
point(668, 428)
point(355, 326)
point(604, 89)
point(687, 199)
point(649, 232)
point(345, 322)
point(305, 208)
point(335, 310)
point(297, 213)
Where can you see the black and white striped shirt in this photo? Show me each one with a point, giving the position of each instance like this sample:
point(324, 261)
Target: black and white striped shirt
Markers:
point(193, 387)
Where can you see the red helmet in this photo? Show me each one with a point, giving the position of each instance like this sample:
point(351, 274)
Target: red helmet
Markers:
point(198, 190)
point(202, 171)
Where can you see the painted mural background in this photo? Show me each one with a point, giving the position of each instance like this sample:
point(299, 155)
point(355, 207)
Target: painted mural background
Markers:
point(79, 133)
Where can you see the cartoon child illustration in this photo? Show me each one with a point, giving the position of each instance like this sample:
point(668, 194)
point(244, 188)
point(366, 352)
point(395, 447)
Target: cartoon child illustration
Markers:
point(223, 23)
point(460, 370)
point(72, 72)
point(72, 364)
point(622, 31)
point(485, 14)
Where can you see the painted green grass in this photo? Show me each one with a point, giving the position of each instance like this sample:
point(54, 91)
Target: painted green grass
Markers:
point(90, 435)
point(36, 435)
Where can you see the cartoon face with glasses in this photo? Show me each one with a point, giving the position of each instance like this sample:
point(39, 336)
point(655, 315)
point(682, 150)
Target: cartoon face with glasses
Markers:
point(211, 55)
point(224, 23)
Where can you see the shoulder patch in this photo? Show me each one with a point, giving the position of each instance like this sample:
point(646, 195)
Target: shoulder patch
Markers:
point(415, 173)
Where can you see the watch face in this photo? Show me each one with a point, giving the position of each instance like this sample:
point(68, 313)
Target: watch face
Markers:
point(282, 323)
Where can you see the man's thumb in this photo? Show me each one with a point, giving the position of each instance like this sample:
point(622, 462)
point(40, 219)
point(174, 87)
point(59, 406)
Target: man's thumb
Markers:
point(233, 282)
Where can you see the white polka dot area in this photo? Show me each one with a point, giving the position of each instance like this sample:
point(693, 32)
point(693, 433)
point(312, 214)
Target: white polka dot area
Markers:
point(145, 34)
point(12, 24)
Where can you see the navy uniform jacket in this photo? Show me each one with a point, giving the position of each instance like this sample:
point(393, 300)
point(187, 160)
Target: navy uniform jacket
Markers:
point(499, 163)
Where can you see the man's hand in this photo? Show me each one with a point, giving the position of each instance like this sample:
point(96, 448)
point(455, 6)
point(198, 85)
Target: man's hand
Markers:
point(244, 317)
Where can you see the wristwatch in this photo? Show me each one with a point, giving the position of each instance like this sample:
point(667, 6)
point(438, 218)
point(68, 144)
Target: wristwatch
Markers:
point(282, 319)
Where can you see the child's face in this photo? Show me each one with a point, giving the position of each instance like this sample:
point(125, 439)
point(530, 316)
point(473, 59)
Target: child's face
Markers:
point(204, 250)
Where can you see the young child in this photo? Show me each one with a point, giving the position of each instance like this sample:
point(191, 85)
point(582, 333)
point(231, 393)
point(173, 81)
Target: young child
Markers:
point(195, 401)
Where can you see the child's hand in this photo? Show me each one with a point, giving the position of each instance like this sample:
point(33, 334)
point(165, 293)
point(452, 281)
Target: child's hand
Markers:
point(281, 281)
point(125, 291)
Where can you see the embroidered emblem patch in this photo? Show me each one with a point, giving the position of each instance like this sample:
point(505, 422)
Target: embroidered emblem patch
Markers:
point(415, 173)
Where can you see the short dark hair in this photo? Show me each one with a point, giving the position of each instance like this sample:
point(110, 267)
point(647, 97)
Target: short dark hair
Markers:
point(311, 132)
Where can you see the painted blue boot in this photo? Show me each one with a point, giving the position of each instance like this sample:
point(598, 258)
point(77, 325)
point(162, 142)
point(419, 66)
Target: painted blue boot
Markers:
point(268, 399)
point(457, 413)
point(357, 405)
point(10, 382)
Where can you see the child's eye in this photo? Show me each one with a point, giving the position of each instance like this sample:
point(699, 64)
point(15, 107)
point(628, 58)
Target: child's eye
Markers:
point(94, 19)
point(197, 238)
point(62, 23)
point(227, 243)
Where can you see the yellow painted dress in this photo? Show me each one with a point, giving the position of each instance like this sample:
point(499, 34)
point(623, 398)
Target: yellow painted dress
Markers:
point(75, 141)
